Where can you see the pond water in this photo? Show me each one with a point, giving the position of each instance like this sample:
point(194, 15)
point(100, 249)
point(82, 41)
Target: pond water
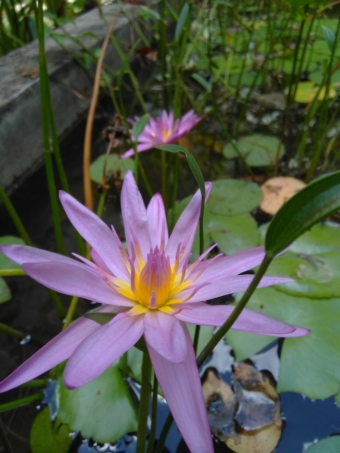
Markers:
point(31, 311)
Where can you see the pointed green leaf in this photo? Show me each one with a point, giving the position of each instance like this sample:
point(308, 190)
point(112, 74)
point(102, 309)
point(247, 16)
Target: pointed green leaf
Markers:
point(329, 36)
point(181, 20)
point(318, 200)
point(139, 126)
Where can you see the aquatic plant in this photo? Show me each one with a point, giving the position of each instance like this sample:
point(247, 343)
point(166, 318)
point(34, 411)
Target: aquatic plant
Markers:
point(163, 130)
point(152, 290)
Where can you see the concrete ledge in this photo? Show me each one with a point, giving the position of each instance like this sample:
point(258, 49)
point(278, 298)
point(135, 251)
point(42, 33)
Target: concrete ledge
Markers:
point(21, 149)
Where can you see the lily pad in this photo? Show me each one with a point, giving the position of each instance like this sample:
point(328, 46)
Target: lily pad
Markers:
point(113, 164)
point(309, 365)
point(108, 402)
point(323, 237)
point(306, 92)
point(232, 197)
point(47, 435)
point(258, 150)
point(246, 344)
point(5, 293)
point(6, 263)
point(315, 276)
point(206, 333)
point(233, 233)
point(330, 445)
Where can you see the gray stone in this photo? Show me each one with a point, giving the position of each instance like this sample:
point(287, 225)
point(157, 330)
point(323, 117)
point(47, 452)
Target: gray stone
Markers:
point(21, 148)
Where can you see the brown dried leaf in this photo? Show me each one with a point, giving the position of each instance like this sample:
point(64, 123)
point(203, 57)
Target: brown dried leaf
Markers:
point(276, 191)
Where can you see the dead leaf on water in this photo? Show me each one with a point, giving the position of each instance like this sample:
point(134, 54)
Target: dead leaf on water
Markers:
point(276, 191)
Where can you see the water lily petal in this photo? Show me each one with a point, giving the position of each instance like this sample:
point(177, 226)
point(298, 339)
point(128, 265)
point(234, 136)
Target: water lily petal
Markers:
point(226, 286)
point(181, 385)
point(95, 232)
point(185, 228)
point(166, 335)
point(25, 254)
point(227, 266)
point(135, 218)
point(99, 350)
point(140, 148)
point(157, 222)
point(75, 280)
point(249, 320)
point(54, 352)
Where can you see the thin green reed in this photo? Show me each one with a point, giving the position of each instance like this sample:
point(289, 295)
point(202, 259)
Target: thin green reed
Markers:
point(323, 127)
point(45, 111)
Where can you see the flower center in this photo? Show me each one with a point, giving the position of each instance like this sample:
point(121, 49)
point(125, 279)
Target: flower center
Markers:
point(154, 282)
point(166, 134)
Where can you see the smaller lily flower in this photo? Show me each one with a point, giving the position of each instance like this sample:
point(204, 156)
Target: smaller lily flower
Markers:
point(154, 291)
point(164, 130)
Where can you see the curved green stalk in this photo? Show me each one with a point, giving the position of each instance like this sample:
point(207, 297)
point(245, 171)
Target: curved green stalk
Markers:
point(144, 403)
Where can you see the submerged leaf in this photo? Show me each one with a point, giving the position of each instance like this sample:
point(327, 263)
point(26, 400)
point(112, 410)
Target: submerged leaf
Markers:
point(111, 164)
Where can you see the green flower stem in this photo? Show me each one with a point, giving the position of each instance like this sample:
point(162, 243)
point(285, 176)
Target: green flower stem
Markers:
point(57, 304)
point(10, 331)
point(154, 404)
point(164, 181)
point(14, 216)
point(20, 402)
point(236, 313)
point(36, 383)
point(162, 52)
point(101, 204)
point(70, 312)
point(174, 190)
point(164, 433)
point(145, 179)
point(144, 404)
point(45, 113)
point(11, 272)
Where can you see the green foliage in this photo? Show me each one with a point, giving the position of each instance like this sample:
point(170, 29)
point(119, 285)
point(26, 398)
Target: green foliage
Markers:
point(258, 150)
point(104, 166)
point(102, 409)
point(330, 445)
point(5, 293)
point(49, 436)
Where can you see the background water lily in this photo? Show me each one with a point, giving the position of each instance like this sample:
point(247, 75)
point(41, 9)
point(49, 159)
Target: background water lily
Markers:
point(154, 291)
point(163, 131)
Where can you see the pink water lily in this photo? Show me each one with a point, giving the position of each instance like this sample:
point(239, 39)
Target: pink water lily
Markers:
point(153, 290)
point(164, 131)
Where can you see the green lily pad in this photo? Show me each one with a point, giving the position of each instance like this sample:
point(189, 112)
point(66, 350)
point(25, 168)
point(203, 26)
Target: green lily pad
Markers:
point(246, 344)
point(315, 276)
point(233, 233)
point(309, 365)
point(47, 435)
point(113, 163)
point(258, 150)
point(323, 237)
point(232, 197)
point(102, 409)
point(5, 293)
point(6, 263)
point(206, 333)
point(330, 445)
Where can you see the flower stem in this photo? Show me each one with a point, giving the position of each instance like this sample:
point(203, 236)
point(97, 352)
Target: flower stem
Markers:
point(164, 434)
point(12, 272)
point(20, 402)
point(154, 403)
point(10, 331)
point(164, 181)
point(14, 216)
point(35, 383)
point(144, 404)
point(236, 313)
point(70, 312)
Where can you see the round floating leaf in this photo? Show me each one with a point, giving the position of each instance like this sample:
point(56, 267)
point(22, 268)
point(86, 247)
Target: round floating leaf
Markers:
point(6, 263)
point(306, 92)
point(231, 197)
point(246, 344)
point(113, 164)
point(49, 436)
point(315, 276)
point(233, 233)
point(258, 150)
point(323, 237)
point(315, 202)
point(5, 293)
point(102, 409)
point(276, 191)
point(330, 445)
point(309, 365)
